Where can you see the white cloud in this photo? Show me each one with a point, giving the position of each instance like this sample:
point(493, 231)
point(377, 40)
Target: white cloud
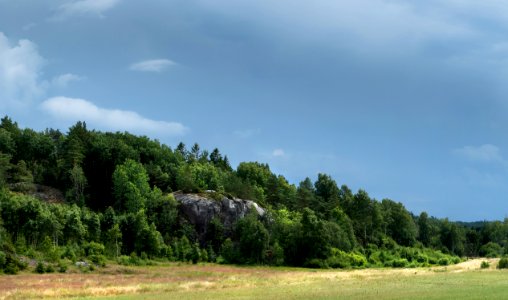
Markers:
point(484, 153)
point(20, 66)
point(63, 80)
point(71, 109)
point(154, 65)
point(278, 153)
point(83, 7)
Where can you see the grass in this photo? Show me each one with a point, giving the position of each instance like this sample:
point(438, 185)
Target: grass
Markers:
point(171, 281)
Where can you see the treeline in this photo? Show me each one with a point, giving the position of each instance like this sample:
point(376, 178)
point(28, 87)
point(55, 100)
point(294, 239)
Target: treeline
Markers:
point(118, 205)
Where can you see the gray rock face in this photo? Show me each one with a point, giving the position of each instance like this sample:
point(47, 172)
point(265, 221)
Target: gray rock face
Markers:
point(200, 210)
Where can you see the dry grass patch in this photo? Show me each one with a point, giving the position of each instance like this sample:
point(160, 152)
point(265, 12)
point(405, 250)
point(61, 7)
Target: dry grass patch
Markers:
point(214, 281)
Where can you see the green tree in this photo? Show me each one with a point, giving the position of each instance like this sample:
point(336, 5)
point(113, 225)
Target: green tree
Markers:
point(162, 210)
point(114, 236)
point(305, 194)
point(328, 192)
point(5, 165)
point(424, 232)
point(131, 188)
point(78, 181)
point(253, 238)
point(399, 223)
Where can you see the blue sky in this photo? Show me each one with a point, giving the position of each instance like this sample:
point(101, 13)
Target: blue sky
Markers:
point(405, 99)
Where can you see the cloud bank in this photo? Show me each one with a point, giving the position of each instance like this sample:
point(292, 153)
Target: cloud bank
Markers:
point(72, 109)
point(154, 65)
point(20, 66)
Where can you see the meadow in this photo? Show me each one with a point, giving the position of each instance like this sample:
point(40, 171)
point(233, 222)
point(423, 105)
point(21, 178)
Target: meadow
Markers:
point(210, 281)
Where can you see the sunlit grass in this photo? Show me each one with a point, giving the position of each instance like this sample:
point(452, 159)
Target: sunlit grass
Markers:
point(171, 281)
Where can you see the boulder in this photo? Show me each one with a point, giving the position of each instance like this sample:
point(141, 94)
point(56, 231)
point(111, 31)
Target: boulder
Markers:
point(199, 210)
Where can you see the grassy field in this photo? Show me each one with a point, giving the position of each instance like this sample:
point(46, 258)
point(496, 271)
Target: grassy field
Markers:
point(171, 281)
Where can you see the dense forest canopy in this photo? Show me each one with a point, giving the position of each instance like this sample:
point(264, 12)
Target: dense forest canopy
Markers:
point(116, 203)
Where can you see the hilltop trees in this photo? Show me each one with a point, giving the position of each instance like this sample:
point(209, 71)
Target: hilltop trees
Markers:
point(118, 203)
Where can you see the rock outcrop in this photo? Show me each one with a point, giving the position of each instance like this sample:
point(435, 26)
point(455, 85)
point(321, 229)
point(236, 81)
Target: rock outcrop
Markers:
point(200, 210)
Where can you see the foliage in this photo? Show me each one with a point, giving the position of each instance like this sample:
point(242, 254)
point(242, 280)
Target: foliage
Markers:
point(503, 263)
point(485, 265)
point(118, 205)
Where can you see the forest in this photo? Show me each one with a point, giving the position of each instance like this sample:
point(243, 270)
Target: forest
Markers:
point(116, 204)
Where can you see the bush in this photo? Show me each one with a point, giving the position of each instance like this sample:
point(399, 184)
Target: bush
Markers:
point(456, 260)
point(357, 260)
point(485, 265)
point(40, 268)
point(62, 267)
point(341, 259)
point(228, 251)
point(123, 260)
point(99, 260)
point(338, 262)
point(316, 263)
point(3, 259)
point(50, 269)
point(491, 250)
point(400, 263)
point(94, 248)
point(503, 263)
point(11, 268)
point(443, 261)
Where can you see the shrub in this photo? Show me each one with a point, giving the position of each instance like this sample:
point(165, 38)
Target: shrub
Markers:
point(503, 263)
point(485, 265)
point(357, 260)
point(62, 267)
point(228, 251)
point(400, 263)
point(99, 260)
point(338, 262)
point(123, 260)
point(456, 260)
point(443, 261)
point(94, 248)
point(40, 268)
point(3, 259)
point(50, 269)
point(491, 249)
point(69, 253)
point(421, 258)
point(11, 268)
point(316, 264)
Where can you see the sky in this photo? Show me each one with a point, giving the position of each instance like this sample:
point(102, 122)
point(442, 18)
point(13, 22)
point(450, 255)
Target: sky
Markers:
point(405, 99)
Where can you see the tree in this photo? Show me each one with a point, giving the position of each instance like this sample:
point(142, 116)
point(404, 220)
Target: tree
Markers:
point(424, 229)
point(78, 180)
point(74, 229)
point(253, 238)
point(115, 236)
point(328, 192)
point(5, 165)
point(399, 223)
point(131, 188)
point(162, 210)
point(195, 152)
point(305, 194)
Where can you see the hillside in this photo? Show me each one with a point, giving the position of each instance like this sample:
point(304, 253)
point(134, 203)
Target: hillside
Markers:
point(129, 198)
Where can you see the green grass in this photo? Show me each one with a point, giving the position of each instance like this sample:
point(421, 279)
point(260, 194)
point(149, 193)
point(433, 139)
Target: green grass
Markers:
point(171, 281)
point(468, 285)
